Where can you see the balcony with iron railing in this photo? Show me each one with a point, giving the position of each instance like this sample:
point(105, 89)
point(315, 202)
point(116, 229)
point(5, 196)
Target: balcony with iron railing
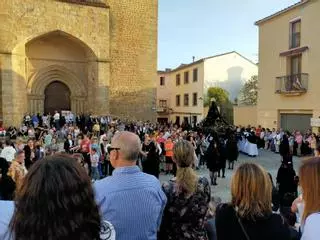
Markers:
point(295, 84)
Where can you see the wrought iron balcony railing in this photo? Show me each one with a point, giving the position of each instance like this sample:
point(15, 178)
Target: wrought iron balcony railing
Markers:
point(292, 84)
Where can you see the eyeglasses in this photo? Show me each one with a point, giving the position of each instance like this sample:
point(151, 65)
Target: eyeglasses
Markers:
point(112, 148)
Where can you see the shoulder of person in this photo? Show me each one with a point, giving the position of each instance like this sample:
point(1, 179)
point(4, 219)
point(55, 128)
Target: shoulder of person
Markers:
point(225, 211)
point(312, 224)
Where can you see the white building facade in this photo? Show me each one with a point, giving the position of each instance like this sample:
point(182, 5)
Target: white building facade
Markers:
point(181, 91)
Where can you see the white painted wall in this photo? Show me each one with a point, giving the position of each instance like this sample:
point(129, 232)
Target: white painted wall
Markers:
point(229, 71)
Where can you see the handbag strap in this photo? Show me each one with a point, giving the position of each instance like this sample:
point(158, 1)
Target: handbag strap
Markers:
point(241, 225)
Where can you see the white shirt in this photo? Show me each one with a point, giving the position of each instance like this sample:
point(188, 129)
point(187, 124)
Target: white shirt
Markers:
point(56, 116)
point(101, 137)
point(311, 230)
point(8, 153)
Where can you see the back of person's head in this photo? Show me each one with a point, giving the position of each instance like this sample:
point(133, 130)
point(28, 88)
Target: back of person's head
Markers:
point(310, 184)
point(288, 199)
point(56, 201)
point(128, 144)
point(251, 191)
point(183, 155)
point(290, 217)
point(4, 167)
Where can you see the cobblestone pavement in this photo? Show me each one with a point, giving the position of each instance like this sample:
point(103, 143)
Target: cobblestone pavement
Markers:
point(269, 160)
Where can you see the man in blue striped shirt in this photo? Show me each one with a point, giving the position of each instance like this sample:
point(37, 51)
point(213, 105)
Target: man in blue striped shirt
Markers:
point(132, 201)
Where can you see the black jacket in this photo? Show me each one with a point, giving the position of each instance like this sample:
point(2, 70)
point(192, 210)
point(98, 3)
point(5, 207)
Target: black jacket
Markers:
point(7, 185)
point(265, 228)
point(67, 146)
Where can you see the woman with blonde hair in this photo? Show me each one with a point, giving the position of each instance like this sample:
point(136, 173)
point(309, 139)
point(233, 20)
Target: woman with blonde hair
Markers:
point(249, 215)
point(310, 184)
point(188, 199)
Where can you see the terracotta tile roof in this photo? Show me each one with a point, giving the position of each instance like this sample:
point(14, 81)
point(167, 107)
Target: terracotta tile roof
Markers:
point(301, 2)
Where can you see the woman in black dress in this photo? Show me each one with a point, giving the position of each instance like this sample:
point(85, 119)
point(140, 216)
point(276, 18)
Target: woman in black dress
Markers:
point(213, 158)
point(223, 157)
point(232, 150)
point(287, 184)
point(151, 162)
point(284, 149)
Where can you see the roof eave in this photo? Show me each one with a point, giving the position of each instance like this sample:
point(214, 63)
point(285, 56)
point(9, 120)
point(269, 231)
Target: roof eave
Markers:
point(298, 4)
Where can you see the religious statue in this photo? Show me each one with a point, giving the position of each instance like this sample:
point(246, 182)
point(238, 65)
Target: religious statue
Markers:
point(214, 122)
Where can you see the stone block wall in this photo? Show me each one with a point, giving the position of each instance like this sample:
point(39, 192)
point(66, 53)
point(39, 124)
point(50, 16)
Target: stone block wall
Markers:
point(133, 39)
point(122, 35)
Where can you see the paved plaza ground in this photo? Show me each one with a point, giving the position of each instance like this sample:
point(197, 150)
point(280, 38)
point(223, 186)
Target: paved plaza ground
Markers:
point(269, 160)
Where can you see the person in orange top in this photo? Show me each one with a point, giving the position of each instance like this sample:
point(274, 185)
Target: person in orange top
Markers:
point(168, 146)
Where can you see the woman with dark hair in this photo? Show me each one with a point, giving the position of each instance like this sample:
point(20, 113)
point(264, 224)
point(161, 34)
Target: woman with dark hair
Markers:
point(56, 202)
point(232, 150)
point(152, 161)
point(213, 159)
point(285, 149)
point(68, 144)
point(30, 153)
point(287, 185)
point(7, 185)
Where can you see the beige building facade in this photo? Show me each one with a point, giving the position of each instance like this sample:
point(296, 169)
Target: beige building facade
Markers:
point(289, 52)
point(84, 56)
point(181, 91)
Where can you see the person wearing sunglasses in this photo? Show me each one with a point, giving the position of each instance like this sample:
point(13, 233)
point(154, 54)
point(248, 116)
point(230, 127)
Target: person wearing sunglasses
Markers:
point(132, 200)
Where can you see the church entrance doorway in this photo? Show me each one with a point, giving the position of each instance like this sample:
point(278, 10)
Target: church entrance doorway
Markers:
point(57, 97)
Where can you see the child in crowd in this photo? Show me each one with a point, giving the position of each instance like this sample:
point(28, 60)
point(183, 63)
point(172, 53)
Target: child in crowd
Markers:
point(94, 157)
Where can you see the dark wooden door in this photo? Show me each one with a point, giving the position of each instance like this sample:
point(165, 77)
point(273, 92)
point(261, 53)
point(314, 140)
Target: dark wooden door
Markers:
point(57, 97)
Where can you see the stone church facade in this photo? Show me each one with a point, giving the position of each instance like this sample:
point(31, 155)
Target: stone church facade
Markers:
point(87, 56)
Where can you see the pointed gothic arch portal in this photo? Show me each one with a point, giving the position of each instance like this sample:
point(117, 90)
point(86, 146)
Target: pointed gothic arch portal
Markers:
point(57, 97)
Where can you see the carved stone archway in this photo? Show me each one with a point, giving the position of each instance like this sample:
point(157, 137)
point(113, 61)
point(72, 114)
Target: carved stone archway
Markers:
point(42, 78)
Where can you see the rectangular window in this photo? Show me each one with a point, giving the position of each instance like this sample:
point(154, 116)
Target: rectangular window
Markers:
point(186, 99)
point(195, 99)
point(295, 64)
point(162, 81)
point(178, 79)
point(178, 100)
point(186, 120)
point(163, 103)
point(186, 77)
point(195, 74)
point(295, 34)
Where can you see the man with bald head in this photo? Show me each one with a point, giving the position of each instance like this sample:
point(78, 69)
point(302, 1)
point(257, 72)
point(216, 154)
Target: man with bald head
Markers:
point(132, 201)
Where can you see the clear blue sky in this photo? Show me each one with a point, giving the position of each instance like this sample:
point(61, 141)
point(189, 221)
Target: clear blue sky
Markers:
point(203, 28)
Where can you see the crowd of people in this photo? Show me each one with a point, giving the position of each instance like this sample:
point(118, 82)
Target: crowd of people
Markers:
point(300, 144)
point(97, 178)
